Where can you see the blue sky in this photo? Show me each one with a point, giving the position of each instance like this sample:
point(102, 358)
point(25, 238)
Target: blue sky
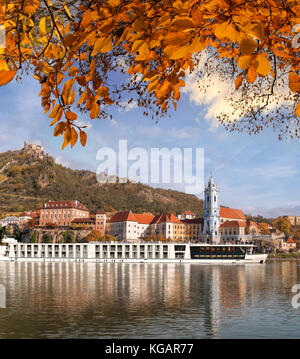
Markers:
point(257, 173)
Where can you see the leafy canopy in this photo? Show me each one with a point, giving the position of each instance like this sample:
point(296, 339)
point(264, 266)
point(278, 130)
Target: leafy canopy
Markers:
point(74, 47)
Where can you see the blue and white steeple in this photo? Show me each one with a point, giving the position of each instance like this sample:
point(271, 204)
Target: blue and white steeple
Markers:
point(211, 215)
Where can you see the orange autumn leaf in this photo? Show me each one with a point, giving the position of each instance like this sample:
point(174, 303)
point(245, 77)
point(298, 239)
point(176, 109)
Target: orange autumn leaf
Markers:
point(294, 82)
point(247, 46)
point(262, 65)
point(59, 129)
point(238, 82)
point(252, 74)
point(74, 137)
point(155, 45)
point(71, 116)
point(6, 77)
point(83, 138)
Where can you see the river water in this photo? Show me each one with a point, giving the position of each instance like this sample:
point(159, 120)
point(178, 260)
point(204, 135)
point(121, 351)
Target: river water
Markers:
point(109, 300)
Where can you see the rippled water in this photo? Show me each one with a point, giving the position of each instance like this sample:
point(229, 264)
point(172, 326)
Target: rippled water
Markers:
point(109, 300)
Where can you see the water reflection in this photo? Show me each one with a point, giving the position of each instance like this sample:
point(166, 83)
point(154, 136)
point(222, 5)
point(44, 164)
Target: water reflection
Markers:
point(148, 300)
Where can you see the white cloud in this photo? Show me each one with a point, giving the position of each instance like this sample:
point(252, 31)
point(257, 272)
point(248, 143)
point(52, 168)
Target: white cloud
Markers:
point(125, 106)
point(218, 95)
point(62, 161)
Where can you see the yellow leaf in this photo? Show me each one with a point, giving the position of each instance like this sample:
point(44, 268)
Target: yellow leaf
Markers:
point(164, 89)
point(227, 30)
point(67, 11)
point(262, 64)
point(294, 82)
point(256, 30)
point(3, 65)
point(175, 52)
point(152, 84)
point(196, 46)
point(83, 138)
point(6, 76)
point(136, 45)
point(247, 46)
point(103, 44)
point(143, 52)
point(42, 26)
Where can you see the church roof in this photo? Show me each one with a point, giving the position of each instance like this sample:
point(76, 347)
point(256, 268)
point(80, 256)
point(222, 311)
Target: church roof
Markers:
point(233, 224)
point(232, 213)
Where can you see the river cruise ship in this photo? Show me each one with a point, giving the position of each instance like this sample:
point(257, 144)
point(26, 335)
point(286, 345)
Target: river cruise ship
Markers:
point(131, 252)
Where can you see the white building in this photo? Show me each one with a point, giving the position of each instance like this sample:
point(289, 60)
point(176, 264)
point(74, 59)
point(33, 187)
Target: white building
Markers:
point(10, 220)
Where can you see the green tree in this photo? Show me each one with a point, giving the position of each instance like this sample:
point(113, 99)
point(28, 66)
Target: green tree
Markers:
point(47, 238)
point(68, 237)
point(34, 237)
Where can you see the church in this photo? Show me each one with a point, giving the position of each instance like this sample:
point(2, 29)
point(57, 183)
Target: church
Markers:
point(221, 224)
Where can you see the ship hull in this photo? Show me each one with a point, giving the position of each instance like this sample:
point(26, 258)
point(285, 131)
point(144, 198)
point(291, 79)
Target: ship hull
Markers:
point(251, 259)
point(123, 252)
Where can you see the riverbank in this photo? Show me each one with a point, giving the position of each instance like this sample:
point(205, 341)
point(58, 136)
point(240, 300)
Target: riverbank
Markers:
point(284, 256)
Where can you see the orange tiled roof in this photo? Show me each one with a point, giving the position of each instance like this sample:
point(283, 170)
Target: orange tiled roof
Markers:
point(65, 204)
point(170, 218)
point(233, 224)
point(232, 213)
point(251, 223)
point(144, 218)
point(290, 240)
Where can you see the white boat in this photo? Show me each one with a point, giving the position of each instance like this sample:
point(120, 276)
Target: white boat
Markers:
point(131, 252)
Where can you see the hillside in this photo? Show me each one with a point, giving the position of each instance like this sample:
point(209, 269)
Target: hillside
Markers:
point(28, 178)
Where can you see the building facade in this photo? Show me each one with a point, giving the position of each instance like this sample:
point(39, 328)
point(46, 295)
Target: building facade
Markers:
point(62, 213)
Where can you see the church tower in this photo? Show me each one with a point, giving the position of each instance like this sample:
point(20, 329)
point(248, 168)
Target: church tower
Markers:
point(211, 215)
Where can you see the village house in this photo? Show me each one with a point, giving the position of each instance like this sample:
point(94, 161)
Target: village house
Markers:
point(288, 244)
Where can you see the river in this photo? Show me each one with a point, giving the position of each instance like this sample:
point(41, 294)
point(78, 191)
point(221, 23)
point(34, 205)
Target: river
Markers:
point(153, 300)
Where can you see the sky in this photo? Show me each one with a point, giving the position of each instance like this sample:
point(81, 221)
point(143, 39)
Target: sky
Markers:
point(258, 174)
